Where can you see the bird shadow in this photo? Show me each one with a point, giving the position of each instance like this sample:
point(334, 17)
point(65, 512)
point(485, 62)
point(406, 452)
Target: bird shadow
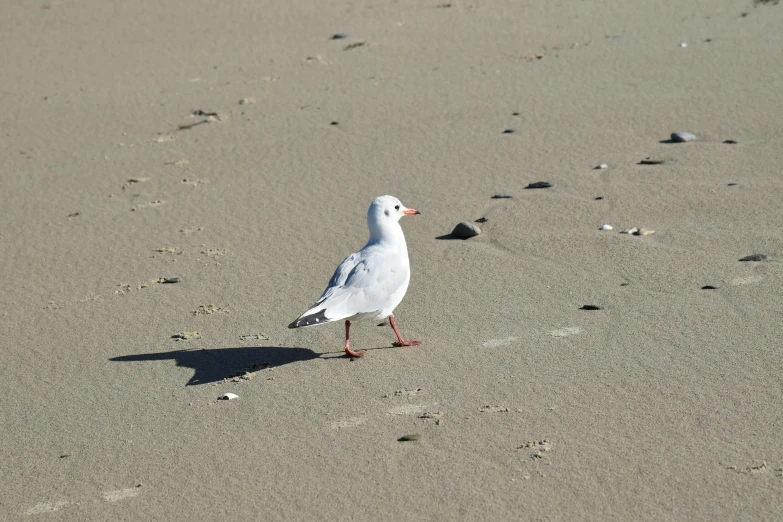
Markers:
point(216, 364)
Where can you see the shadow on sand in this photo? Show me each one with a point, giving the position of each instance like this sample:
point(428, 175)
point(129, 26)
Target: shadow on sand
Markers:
point(216, 364)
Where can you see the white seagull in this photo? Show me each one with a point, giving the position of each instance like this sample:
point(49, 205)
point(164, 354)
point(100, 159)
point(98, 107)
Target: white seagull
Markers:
point(370, 283)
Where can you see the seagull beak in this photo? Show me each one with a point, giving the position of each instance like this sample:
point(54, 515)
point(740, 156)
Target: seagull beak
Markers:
point(410, 212)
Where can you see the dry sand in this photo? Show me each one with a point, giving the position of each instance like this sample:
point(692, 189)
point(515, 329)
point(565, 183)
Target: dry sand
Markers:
point(667, 404)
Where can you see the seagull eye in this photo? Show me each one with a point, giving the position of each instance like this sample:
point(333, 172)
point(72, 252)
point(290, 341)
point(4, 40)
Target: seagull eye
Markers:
point(396, 207)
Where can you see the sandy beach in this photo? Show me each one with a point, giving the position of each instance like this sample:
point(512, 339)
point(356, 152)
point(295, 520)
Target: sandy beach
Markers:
point(180, 180)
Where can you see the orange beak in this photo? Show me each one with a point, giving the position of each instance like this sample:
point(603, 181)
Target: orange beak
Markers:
point(410, 212)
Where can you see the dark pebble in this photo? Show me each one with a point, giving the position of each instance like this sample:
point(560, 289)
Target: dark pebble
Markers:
point(591, 307)
point(539, 185)
point(599, 198)
point(754, 257)
point(481, 220)
point(624, 284)
point(65, 456)
point(408, 438)
point(682, 137)
point(732, 185)
point(335, 123)
point(515, 114)
point(709, 287)
point(502, 195)
point(509, 131)
point(730, 142)
point(648, 161)
point(339, 36)
point(465, 230)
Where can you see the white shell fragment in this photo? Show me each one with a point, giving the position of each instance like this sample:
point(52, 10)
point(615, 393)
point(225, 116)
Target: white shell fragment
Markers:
point(228, 396)
point(633, 230)
point(683, 44)
point(602, 166)
point(607, 227)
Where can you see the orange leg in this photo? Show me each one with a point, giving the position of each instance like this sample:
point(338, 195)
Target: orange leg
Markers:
point(400, 340)
point(348, 350)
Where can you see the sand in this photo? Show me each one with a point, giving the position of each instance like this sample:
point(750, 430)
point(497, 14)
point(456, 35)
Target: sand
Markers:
point(195, 140)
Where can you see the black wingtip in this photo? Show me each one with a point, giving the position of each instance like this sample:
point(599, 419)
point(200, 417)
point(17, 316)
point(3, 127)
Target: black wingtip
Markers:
point(315, 319)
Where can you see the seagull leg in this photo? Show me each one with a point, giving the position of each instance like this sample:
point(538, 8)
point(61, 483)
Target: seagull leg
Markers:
point(400, 340)
point(348, 350)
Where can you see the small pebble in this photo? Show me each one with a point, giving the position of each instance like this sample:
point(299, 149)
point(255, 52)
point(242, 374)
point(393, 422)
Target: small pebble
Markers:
point(607, 227)
point(228, 396)
point(334, 123)
point(502, 195)
point(539, 185)
point(601, 166)
point(682, 137)
point(754, 257)
point(170, 280)
point(709, 287)
point(481, 220)
point(515, 114)
point(465, 230)
point(598, 198)
point(339, 36)
point(509, 131)
point(683, 44)
point(247, 101)
point(591, 307)
point(732, 185)
point(633, 230)
point(643, 232)
point(624, 284)
point(730, 142)
point(409, 438)
point(650, 161)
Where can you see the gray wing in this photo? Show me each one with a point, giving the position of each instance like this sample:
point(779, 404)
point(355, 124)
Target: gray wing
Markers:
point(362, 284)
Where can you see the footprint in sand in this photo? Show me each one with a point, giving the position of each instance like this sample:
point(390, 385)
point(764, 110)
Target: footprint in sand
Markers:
point(130, 287)
point(411, 409)
point(209, 309)
point(108, 496)
point(748, 280)
point(47, 507)
point(349, 423)
point(536, 449)
point(403, 393)
point(121, 494)
point(566, 332)
point(496, 343)
point(156, 203)
point(493, 409)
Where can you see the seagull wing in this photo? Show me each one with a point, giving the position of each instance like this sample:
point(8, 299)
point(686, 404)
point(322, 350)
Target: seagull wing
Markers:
point(363, 284)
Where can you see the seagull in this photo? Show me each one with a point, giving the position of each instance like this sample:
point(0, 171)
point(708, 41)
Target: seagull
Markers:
point(370, 283)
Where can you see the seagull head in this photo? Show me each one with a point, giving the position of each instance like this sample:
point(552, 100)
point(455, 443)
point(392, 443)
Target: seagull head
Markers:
point(384, 213)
